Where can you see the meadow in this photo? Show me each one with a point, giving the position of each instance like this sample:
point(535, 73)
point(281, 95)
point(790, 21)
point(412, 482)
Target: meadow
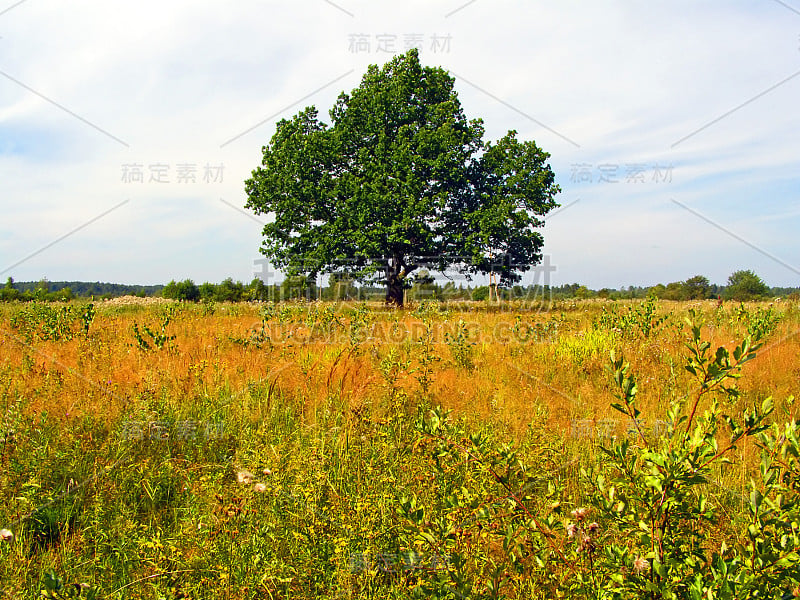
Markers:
point(580, 449)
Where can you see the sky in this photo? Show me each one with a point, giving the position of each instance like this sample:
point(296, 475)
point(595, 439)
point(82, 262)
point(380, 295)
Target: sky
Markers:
point(127, 131)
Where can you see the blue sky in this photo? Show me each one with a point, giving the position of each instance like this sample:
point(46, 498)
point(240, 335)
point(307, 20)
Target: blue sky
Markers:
point(672, 127)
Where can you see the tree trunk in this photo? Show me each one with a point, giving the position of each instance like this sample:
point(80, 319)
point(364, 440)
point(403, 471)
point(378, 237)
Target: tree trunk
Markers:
point(395, 274)
point(394, 290)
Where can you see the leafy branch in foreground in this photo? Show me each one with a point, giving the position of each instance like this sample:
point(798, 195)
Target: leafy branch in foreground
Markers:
point(652, 528)
point(652, 496)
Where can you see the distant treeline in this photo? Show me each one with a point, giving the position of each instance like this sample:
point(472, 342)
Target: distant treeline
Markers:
point(67, 290)
point(742, 285)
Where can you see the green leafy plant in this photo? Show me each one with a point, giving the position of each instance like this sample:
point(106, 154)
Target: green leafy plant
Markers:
point(54, 587)
point(426, 357)
point(385, 210)
point(641, 319)
point(43, 322)
point(648, 525)
point(258, 337)
point(485, 517)
point(461, 348)
point(656, 521)
point(359, 321)
point(760, 322)
point(148, 339)
point(392, 366)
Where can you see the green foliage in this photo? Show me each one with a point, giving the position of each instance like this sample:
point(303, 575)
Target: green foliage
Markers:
point(184, 290)
point(9, 293)
point(208, 307)
point(642, 319)
point(649, 497)
point(55, 291)
point(427, 310)
point(745, 285)
point(771, 548)
point(296, 287)
point(650, 529)
point(400, 180)
point(258, 337)
point(426, 358)
point(697, 288)
point(481, 293)
point(484, 516)
point(54, 587)
point(43, 322)
point(760, 322)
point(327, 321)
point(228, 291)
point(360, 318)
point(424, 287)
point(461, 347)
point(150, 339)
point(694, 288)
point(537, 331)
point(391, 367)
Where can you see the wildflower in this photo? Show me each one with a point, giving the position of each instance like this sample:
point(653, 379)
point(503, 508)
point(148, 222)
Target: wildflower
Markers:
point(593, 527)
point(259, 487)
point(244, 476)
point(6, 535)
point(586, 544)
point(267, 472)
point(641, 564)
point(571, 530)
point(580, 513)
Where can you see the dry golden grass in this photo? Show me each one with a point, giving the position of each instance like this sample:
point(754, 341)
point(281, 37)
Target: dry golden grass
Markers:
point(549, 382)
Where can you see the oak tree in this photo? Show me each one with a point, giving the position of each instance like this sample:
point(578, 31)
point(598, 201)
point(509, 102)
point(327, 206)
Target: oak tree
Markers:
point(398, 181)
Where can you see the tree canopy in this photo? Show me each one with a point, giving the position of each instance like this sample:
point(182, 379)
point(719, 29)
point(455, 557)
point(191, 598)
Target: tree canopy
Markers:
point(185, 290)
point(745, 285)
point(400, 180)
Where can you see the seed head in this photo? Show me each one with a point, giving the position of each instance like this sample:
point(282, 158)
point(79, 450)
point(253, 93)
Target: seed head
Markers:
point(641, 564)
point(260, 487)
point(6, 535)
point(586, 544)
point(571, 530)
point(244, 476)
point(580, 513)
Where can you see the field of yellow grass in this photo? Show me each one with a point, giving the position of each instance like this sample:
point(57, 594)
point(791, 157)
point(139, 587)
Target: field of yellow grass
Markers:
point(526, 365)
point(305, 397)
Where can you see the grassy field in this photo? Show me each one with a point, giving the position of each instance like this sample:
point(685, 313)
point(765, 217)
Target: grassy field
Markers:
point(307, 451)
